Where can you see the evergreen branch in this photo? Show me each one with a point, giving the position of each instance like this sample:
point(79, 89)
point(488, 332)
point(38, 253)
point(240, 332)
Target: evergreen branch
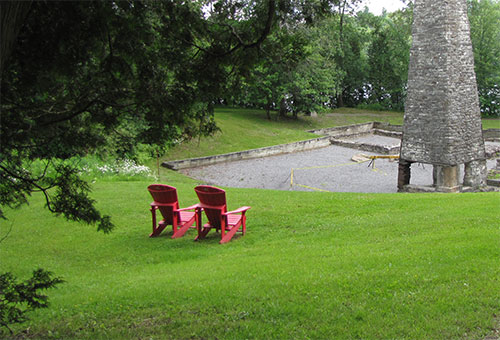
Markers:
point(8, 232)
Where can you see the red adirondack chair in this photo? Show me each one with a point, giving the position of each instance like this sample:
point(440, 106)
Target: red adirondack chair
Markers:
point(165, 200)
point(213, 203)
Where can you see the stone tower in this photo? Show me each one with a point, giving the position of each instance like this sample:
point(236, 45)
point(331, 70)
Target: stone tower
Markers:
point(442, 123)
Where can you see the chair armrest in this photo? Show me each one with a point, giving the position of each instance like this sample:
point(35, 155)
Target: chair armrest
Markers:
point(239, 210)
point(196, 206)
point(156, 204)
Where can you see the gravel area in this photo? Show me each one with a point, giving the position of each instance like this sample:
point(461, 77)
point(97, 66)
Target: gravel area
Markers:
point(328, 169)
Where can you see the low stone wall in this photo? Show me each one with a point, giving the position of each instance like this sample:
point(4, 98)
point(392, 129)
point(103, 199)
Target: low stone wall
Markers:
point(393, 134)
point(493, 182)
point(491, 134)
point(342, 131)
point(381, 149)
point(388, 127)
point(248, 154)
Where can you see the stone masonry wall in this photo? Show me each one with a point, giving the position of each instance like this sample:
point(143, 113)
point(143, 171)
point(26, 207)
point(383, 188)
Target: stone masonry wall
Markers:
point(442, 123)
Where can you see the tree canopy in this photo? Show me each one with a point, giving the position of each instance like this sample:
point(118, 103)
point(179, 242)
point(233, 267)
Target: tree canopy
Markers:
point(80, 76)
point(358, 59)
point(484, 18)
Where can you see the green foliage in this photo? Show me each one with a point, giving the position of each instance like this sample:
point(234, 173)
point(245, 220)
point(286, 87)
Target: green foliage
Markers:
point(92, 76)
point(389, 58)
point(71, 198)
point(371, 107)
point(352, 61)
point(361, 59)
point(298, 71)
point(315, 78)
point(484, 16)
point(130, 79)
point(88, 77)
point(19, 298)
point(266, 86)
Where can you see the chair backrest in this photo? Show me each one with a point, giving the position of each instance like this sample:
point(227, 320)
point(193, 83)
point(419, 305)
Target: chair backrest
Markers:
point(166, 198)
point(213, 202)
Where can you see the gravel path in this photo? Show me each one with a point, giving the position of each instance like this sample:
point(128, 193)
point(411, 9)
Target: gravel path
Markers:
point(329, 169)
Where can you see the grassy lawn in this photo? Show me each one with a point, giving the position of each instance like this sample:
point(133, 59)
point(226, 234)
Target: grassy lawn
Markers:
point(312, 266)
point(243, 129)
point(490, 123)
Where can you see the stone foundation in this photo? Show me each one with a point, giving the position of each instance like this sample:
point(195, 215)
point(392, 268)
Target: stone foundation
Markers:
point(476, 174)
point(446, 178)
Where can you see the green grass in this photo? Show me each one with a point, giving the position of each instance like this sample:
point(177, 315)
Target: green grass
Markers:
point(312, 266)
point(243, 129)
point(491, 123)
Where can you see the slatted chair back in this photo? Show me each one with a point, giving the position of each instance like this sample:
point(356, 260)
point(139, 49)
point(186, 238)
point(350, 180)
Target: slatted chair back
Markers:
point(213, 202)
point(166, 197)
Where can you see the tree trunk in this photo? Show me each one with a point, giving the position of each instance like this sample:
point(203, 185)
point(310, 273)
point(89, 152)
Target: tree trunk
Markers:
point(13, 14)
point(340, 99)
point(268, 110)
point(283, 111)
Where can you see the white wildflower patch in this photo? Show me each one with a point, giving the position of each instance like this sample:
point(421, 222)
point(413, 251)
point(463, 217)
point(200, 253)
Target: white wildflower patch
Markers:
point(125, 167)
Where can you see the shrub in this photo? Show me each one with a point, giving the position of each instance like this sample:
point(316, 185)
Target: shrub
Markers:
point(19, 298)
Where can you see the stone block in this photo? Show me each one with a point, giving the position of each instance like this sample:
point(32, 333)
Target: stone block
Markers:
point(446, 178)
point(475, 174)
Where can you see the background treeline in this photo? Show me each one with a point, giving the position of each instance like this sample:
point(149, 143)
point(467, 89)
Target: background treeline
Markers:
point(356, 60)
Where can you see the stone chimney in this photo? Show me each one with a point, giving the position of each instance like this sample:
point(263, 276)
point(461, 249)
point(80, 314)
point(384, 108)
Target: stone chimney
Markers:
point(442, 123)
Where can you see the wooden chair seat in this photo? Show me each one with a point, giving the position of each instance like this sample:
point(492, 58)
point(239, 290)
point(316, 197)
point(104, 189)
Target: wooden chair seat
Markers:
point(213, 204)
point(165, 200)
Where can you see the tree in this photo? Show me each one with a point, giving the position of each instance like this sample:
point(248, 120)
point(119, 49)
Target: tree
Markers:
point(80, 71)
point(484, 16)
point(344, 8)
point(300, 70)
point(19, 298)
point(13, 14)
point(352, 62)
point(268, 85)
point(315, 77)
point(389, 53)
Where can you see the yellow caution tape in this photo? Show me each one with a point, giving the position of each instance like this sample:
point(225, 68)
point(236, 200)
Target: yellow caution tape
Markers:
point(312, 188)
point(371, 160)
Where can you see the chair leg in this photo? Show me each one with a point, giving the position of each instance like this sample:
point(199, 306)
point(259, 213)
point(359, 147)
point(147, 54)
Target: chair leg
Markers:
point(229, 234)
point(174, 225)
point(203, 232)
point(156, 229)
point(182, 230)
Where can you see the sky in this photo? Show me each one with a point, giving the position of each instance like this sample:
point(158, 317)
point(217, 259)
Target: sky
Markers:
point(376, 6)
